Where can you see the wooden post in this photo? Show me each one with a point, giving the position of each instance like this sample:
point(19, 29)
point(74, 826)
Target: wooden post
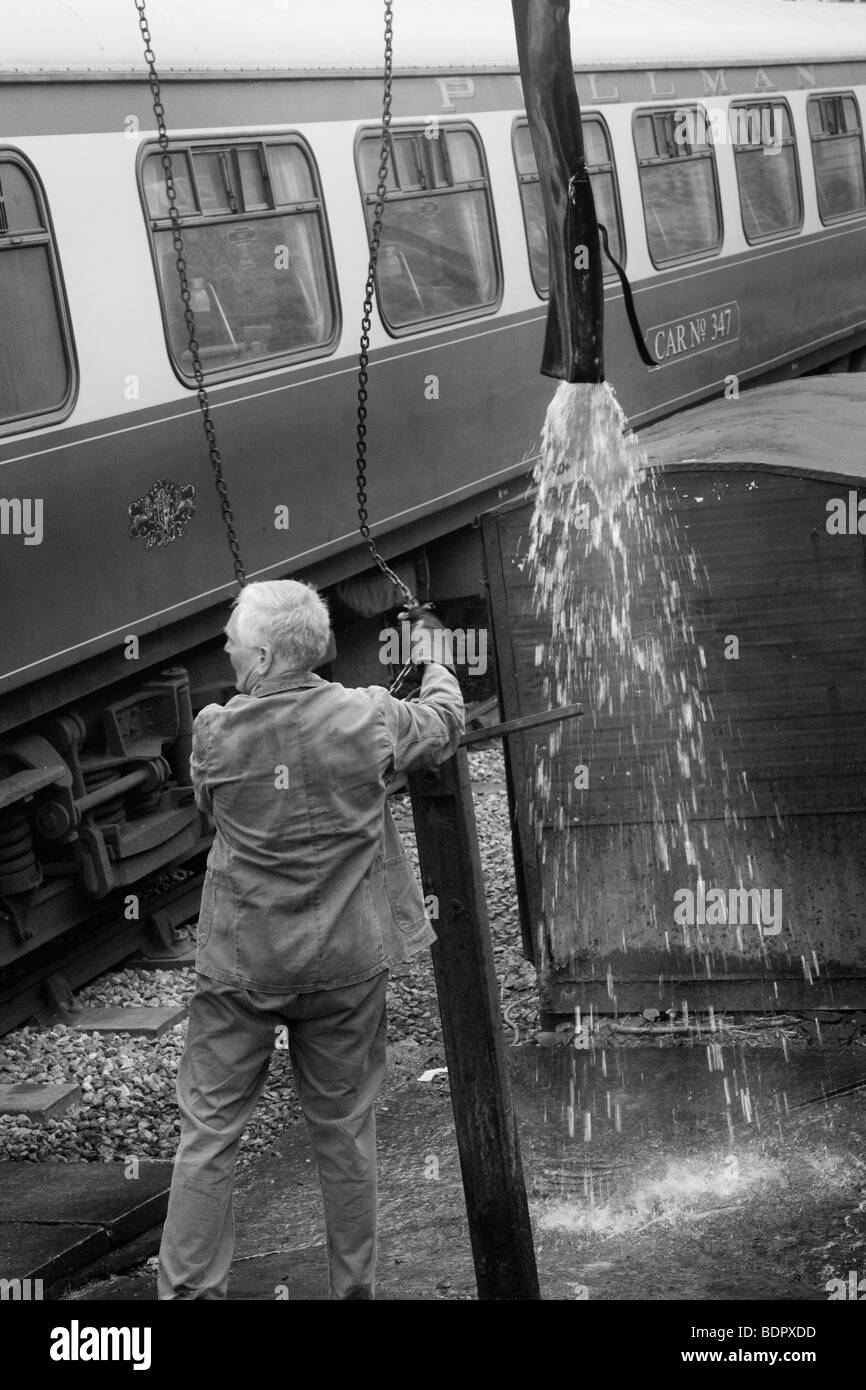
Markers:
point(487, 1141)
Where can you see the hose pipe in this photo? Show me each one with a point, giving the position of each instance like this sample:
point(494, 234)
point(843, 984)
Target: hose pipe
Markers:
point(573, 346)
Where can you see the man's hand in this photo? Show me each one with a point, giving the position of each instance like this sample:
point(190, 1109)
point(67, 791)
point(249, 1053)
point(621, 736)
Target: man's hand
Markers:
point(422, 621)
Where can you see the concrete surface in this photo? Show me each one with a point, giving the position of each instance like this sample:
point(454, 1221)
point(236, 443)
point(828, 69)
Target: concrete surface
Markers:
point(149, 1021)
point(56, 1219)
point(39, 1102)
point(673, 1188)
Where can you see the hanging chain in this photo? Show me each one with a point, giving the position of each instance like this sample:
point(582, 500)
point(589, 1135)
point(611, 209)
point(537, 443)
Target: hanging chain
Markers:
point(186, 298)
point(367, 319)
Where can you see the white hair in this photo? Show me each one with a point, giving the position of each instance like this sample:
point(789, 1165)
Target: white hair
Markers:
point(289, 617)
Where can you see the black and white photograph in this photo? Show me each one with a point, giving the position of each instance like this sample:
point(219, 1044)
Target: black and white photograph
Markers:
point(433, 671)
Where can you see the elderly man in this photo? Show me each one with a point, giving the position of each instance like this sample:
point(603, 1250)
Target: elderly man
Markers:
point(308, 898)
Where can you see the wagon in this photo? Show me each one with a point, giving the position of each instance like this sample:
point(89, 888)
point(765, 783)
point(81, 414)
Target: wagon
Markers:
point(738, 883)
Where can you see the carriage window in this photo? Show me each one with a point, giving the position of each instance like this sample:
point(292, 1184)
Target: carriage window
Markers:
point(154, 185)
point(837, 149)
point(438, 257)
point(36, 373)
point(533, 208)
point(679, 184)
point(767, 171)
point(602, 174)
point(257, 251)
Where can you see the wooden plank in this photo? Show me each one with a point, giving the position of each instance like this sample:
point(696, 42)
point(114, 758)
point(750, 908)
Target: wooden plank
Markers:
point(739, 993)
point(484, 1118)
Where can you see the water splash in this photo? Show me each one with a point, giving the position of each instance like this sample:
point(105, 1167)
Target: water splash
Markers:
point(620, 593)
point(683, 1193)
point(586, 440)
point(598, 542)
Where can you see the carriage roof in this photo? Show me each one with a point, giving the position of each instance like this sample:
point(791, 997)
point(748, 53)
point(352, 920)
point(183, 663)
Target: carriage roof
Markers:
point(100, 38)
point(813, 425)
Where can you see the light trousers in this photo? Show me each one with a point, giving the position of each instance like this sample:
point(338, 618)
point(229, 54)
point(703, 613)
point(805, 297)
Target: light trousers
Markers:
point(336, 1042)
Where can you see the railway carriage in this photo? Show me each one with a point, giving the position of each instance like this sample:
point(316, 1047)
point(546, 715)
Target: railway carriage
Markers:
point(726, 153)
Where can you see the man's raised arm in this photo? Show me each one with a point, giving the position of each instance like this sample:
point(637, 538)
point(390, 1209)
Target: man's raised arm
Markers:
point(426, 731)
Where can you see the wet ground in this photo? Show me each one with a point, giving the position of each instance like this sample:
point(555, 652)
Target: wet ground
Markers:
point(653, 1172)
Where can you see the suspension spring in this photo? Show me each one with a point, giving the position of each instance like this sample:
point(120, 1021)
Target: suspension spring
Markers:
point(19, 869)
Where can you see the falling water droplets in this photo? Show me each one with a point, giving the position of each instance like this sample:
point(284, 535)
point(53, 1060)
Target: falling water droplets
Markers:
point(599, 545)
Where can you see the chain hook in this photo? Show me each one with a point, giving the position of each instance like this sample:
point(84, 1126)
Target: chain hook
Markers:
point(186, 297)
point(367, 317)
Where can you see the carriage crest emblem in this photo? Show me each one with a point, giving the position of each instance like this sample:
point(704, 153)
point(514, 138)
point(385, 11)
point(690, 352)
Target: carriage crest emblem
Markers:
point(163, 514)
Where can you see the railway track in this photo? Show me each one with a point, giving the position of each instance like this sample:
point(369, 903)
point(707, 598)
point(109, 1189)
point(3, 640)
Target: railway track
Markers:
point(41, 984)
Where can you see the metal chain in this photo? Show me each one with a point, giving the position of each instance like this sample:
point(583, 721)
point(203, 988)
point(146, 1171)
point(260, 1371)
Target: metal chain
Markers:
point(186, 298)
point(367, 319)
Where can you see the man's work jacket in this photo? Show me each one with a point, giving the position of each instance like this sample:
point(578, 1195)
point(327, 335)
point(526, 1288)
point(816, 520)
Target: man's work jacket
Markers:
point(308, 885)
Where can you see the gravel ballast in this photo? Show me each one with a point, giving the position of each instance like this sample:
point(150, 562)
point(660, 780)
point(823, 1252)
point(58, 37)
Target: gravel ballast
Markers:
point(128, 1106)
